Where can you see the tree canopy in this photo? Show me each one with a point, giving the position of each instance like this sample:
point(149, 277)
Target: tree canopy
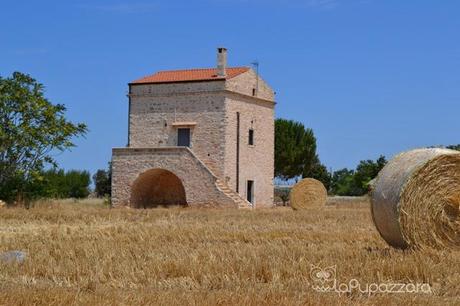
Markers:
point(454, 147)
point(60, 184)
point(103, 181)
point(347, 182)
point(295, 153)
point(31, 129)
point(295, 149)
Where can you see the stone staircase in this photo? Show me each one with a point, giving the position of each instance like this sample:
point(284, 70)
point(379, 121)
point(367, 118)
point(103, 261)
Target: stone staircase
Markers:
point(212, 166)
point(221, 186)
point(242, 203)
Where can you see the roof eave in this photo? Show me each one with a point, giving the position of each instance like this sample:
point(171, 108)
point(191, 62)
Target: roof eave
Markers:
point(173, 82)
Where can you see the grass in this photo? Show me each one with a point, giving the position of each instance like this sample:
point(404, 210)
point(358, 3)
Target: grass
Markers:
point(85, 253)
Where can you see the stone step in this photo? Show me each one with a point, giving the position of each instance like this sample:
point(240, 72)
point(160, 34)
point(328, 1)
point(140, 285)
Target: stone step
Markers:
point(237, 199)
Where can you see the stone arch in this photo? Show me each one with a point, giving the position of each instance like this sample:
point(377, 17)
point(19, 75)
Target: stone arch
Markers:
point(157, 187)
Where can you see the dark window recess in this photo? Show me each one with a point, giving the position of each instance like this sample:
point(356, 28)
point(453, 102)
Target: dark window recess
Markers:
point(250, 192)
point(183, 137)
point(253, 92)
point(251, 137)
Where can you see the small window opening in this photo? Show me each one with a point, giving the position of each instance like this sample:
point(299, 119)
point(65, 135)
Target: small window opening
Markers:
point(251, 137)
point(253, 92)
point(183, 137)
point(250, 191)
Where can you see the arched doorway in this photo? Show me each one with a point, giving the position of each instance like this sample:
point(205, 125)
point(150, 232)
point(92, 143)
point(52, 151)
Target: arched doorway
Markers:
point(157, 187)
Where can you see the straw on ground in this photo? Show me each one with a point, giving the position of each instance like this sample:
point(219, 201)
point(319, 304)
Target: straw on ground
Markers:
point(87, 254)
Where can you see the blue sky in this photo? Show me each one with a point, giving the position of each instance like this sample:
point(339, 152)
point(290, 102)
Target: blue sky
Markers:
point(370, 77)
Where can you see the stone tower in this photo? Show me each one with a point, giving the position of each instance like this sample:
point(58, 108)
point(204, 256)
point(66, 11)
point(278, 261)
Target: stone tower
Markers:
point(200, 137)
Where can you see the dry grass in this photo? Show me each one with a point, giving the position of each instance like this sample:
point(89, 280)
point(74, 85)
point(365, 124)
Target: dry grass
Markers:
point(88, 254)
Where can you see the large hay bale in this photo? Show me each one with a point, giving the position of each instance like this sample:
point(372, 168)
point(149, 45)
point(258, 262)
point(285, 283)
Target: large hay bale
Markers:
point(308, 193)
point(416, 198)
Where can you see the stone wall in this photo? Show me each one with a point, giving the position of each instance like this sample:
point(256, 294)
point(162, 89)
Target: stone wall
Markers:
point(246, 82)
point(199, 183)
point(174, 89)
point(152, 118)
point(256, 161)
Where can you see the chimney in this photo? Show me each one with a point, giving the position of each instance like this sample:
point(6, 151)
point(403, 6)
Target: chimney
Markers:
point(221, 62)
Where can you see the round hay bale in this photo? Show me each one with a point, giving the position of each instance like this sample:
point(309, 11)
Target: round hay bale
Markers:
point(416, 199)
point(2, 204)
point(308, 193)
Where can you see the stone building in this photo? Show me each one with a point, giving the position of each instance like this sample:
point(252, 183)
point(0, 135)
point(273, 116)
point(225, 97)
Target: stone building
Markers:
point(198, 137)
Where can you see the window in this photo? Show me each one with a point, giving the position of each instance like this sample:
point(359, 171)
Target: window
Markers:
point(251, 137)
point(250, 191)
point(183, 137)
point(253, 92)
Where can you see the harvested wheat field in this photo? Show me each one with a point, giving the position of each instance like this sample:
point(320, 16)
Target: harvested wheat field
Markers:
point(88, 254)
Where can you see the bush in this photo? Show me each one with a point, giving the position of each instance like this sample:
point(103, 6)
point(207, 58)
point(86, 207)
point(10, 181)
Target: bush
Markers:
point(58, 184)
point(103, 182)
point(347, 182)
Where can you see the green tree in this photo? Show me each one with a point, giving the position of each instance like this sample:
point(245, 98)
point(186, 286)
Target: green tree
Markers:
point(342, 182)
point(77, 184)
point(365, 172)
point(347, 182)
point(454, 147)
point(31, 129)
point(58, 184)
point(55, 184)
point(295, 149)
point(50, 185)
point(319, 171)
point(103, 181)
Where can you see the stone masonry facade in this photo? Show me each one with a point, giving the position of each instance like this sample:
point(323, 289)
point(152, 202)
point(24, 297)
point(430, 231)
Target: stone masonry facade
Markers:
point(219, 161)
point(200, 191)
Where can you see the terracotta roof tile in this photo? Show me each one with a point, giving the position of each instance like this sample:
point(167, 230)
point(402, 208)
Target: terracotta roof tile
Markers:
point(189, 75)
